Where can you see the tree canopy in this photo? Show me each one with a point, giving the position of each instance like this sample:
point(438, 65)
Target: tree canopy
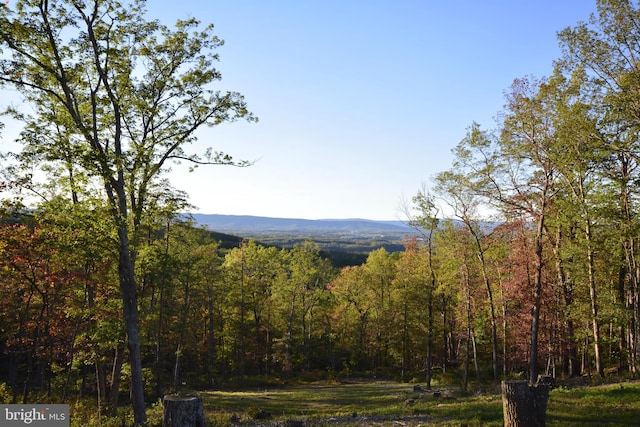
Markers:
point(535, 272)
point(112, 98)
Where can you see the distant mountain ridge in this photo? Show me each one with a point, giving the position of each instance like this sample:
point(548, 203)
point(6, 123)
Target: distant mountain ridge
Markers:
point(249, 223)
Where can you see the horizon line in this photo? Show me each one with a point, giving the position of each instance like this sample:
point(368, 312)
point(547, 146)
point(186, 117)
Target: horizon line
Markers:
point(300, 218)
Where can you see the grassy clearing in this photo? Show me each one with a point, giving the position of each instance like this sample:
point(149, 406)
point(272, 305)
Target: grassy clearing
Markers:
point(613, 405)
point(390, 403)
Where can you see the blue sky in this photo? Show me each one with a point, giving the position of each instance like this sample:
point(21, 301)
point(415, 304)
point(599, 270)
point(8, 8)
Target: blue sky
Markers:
point(359, 102)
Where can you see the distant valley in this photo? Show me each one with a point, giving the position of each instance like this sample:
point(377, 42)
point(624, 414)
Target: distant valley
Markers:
point(336, 235)
point(248, 223)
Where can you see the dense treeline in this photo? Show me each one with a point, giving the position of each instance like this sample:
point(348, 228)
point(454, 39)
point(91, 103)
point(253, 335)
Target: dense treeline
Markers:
point(104, 289)
point(207, 315)
point(211, 316)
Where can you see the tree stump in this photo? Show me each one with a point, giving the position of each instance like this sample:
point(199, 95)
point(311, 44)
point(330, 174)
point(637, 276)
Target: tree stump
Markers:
point(524, 405)
point(183, 411)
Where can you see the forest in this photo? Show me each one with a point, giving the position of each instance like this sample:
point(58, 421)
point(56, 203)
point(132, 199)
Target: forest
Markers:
point(527, 260)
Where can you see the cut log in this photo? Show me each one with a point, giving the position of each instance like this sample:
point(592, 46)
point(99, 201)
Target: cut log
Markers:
point(524, 405)
point(183, 411)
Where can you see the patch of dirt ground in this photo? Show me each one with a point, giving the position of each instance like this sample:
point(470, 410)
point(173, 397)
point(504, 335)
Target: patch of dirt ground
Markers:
point(356, 420)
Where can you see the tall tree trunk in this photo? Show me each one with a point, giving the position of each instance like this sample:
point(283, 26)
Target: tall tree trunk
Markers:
point(72, 352)
point(183, 327)
point(101, 387)
point(242, 318)
point(537, 295)
point(594, 302)
point(467, 355)
point(116, 374)
point(267, 347)
point(503, 310)
point(445, 336)
point(288, 362)
point(635, 325)
point(35, 343)
point(405, 337)
point(569, 350)
point(211, 343)
point(629, 244)
point(130, 309)
point(160, 321)
point(430, 292)
point(476, 363)
point(429, 335)
point(492, 310)
point(494, 323)
point(306, 340)
point(158, 349)
point(631, 298)
point(593, 295)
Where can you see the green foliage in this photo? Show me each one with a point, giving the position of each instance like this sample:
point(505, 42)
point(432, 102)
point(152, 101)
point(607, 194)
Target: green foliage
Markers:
point(111, 99)
point(83, 413)
point(556, 276)
point(6, 396)
point(155, 414)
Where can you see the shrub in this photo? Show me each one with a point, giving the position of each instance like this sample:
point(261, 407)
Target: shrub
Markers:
point(6, 396)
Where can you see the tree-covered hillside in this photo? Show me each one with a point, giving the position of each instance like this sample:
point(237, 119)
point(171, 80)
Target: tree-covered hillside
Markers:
point(108, 295)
